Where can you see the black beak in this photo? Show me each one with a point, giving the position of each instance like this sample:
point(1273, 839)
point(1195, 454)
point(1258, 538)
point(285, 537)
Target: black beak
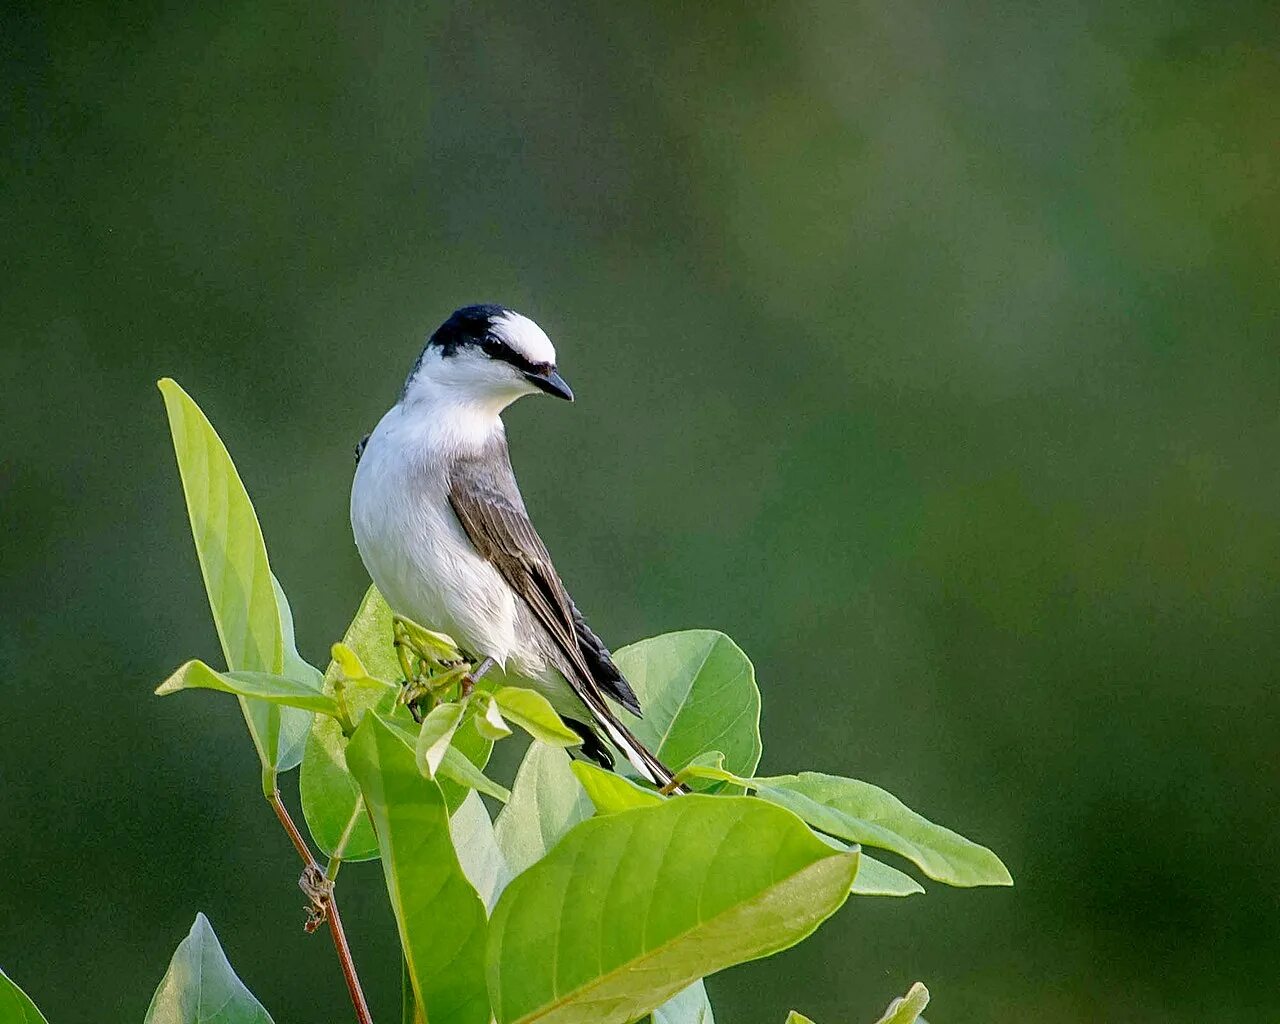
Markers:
point(552, 383)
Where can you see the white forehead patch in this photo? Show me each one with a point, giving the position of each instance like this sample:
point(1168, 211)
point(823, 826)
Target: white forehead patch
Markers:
point(525, 337)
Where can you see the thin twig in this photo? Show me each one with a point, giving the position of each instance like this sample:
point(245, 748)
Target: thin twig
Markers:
point(331, 906)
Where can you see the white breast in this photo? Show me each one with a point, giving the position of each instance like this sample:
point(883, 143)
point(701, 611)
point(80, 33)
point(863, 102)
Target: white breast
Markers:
point(412, 543)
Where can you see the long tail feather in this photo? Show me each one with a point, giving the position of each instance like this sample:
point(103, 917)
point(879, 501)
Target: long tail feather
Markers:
point(642, 760)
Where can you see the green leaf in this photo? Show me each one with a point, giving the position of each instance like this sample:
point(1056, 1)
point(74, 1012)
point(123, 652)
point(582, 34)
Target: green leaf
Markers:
point(863, 813)
point(546, 801)
point(439, 646)
point(709, 765)
point(409, 1012)
point(489, 723)
point(466, 759)
point(237, 576)
point(295, 725)
point(710, 882)
point(437, 731)
point(796, 1017)
point(875, 878)
point(689, 1006)
point(348, 662)
point(440, 917)
point(331, 799)
point(16, 1006)
point(477, 847)
point(609, 792)
point(455, 766)
point(535, 715)
point(330, 796)
point(201, 988)
point(698, 691)
point(196, 675)
point(907, 1009)
point(408, 1008)
point(370, 637)
point(229, 544)
point(460, 769)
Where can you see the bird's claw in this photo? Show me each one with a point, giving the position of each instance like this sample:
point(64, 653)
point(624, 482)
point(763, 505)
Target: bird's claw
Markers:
point(432, 689)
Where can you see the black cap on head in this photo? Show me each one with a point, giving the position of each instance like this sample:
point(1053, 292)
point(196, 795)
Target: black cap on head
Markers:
point(503, 335)
point(470, 325)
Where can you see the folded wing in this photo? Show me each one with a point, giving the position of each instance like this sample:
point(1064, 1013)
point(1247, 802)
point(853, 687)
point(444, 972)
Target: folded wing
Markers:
point(484, 496)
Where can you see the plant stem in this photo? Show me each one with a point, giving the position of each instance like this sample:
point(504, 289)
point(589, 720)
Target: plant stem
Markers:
point(335, 920)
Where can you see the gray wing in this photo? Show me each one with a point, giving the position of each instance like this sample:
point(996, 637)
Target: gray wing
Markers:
point(484, 496)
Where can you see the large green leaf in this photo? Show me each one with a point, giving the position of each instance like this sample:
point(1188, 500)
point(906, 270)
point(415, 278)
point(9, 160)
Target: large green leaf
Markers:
point(477, 847)
point(229, 543)
point(201, 988)
point(237, 576)
point(630, 908)
point(262, 686)
point(698, 692)
point(863, 813)
point(874, 878)
point(440, 917)
point(546, 801)
point(610, 793)
point(16, 1006)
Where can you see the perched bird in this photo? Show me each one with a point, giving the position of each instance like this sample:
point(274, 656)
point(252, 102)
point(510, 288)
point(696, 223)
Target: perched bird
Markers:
point(443, 531)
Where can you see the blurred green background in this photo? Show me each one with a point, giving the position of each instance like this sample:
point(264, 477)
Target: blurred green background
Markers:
point(929, 350)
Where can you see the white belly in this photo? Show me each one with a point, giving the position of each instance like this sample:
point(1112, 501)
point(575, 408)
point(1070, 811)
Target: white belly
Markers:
point(418, 555)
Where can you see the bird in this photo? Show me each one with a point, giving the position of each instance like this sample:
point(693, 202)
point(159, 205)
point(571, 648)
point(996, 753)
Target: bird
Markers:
point(443, 531)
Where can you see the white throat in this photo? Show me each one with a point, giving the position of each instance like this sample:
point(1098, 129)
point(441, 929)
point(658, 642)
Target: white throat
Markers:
point(439, 421)
point(455, 404)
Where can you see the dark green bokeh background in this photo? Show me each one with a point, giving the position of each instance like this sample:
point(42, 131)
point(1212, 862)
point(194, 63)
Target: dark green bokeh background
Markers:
point(929, 350)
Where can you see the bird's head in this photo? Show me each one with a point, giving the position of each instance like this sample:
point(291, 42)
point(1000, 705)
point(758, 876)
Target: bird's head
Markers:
point(486, 356)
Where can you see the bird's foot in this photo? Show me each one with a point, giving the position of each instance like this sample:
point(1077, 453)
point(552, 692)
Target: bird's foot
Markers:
point(430, 690)
point(415, 690)
point(467, 685)
point(426, 645)
point(447, 680)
